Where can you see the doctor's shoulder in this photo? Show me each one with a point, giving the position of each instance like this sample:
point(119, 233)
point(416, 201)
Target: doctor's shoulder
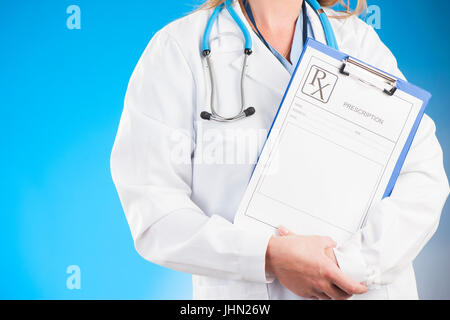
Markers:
point(360, 40)
point(180, 38)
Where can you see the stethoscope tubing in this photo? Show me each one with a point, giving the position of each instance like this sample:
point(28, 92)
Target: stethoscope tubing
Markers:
point(206, 52)
point(326, 25)
point(214, 114)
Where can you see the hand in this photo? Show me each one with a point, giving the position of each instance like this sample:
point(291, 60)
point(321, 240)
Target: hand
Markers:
point(329, 252)
point(301, 265)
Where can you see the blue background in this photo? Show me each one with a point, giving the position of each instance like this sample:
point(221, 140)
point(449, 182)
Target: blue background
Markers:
point(61, 95)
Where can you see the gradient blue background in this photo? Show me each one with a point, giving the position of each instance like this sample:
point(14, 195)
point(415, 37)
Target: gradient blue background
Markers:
point(61, 94)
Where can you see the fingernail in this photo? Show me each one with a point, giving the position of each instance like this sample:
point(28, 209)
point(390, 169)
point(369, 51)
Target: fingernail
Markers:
point(282, 231)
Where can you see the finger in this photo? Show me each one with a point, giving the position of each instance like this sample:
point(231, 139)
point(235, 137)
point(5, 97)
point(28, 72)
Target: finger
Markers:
point(330, 254)
point(282, 231)
point(328, 242)
point(321, 295)
point(344, 282)
point(335, 292)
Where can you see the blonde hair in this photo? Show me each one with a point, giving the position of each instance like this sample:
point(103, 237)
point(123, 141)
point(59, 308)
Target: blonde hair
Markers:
point(360, 6)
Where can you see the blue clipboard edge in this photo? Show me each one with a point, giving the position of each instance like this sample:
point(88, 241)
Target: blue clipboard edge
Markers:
point(402, 85)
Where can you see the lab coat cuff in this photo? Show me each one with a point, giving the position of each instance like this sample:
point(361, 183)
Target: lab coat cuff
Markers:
point(253, 261)
point(351, 261)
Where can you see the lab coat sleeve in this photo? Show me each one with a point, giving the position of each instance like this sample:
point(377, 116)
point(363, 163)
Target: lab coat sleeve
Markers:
point(152, 170)
point(399, 226)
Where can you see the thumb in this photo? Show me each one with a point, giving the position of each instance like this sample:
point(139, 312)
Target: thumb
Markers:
point(329, 243)
point(282, 231)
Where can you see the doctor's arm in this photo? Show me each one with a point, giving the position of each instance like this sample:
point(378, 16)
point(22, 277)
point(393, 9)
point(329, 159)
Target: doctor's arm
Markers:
point(152, 170)
point(399, 226)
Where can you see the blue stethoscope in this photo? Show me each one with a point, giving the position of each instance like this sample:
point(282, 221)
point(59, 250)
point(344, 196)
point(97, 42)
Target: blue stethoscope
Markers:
point(206, 51)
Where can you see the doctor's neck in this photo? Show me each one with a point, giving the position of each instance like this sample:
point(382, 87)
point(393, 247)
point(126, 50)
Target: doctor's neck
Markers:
point(276, 21)
point(276, 14)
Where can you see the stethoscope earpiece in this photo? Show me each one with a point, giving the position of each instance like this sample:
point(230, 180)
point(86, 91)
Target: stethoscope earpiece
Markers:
point(249, 111)
point(205, 115)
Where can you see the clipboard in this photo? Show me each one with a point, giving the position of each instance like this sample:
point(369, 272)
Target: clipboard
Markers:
point(392, 84)
point(383, 83)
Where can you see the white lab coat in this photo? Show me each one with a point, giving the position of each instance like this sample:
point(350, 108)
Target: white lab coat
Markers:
point(180, 190)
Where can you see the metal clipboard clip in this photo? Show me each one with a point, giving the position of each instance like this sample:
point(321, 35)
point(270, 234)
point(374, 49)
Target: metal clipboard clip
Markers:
point(369, 75)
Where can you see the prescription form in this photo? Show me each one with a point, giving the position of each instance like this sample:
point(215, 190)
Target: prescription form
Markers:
point(330, 153)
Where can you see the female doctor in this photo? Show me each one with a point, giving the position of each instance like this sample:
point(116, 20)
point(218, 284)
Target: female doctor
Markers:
point(193, 124)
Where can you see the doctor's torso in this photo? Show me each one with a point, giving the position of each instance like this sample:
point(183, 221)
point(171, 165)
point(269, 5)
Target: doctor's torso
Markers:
point(213, 161)
point(225, 153)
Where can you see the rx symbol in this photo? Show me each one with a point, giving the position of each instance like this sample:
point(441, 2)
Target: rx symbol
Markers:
point(319, 84)
point(317, 81)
